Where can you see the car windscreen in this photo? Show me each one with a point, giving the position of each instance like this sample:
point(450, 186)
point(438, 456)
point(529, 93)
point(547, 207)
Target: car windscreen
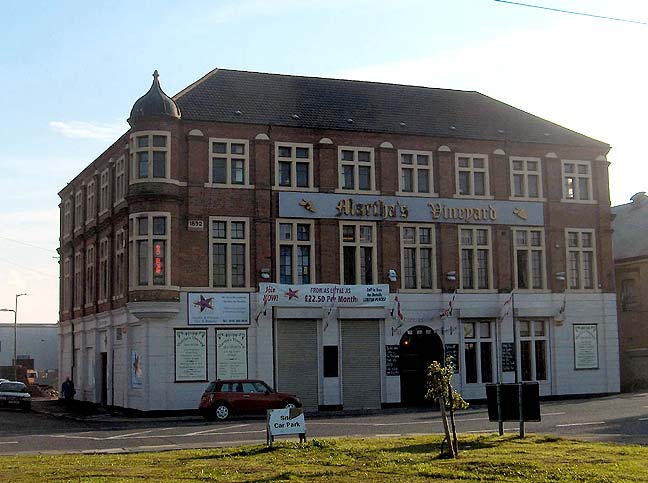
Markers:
point(262, 387)
point(12, 387)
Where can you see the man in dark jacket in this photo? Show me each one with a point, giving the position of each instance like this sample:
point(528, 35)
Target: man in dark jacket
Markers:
point(67, 390)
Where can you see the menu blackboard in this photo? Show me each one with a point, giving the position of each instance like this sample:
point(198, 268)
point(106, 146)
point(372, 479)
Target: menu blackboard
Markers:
point(392, 354)
point(452, 350)
point(508, 357)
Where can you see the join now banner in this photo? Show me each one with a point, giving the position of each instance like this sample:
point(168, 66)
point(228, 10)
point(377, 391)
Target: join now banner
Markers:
point(323, 295)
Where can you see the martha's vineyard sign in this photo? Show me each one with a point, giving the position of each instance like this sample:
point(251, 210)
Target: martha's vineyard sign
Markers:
point(405, 208)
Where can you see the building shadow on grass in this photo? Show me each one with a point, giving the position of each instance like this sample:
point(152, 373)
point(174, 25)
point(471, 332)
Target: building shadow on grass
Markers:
point(435, 448)
point(253, 451)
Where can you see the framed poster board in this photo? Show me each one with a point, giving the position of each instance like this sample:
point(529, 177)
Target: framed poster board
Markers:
point(231, 354)
point(137, 370)
point(585, 346)
point(190, 355)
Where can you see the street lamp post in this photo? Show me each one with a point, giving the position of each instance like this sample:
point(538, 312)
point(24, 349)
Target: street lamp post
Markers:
point(15, 353)
point(16, 336)
point(15, 325)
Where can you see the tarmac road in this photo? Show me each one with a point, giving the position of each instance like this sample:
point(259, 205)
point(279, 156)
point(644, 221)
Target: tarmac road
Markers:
point(619, 418)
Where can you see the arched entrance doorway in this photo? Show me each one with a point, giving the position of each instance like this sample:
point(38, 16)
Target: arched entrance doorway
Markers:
point(419, 346)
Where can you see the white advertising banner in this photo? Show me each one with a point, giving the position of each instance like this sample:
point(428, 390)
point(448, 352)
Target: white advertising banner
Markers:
point(218, 308)
point(323, 295)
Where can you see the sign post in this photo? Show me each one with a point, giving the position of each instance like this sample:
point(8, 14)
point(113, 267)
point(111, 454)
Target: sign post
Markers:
point(280, 422)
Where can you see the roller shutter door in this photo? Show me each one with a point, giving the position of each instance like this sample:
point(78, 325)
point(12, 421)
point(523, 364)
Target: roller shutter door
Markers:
point(296, 355)
point(361, 364)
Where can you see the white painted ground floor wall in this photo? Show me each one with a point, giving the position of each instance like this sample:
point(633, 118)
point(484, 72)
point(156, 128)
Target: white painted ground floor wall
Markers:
point(146, 331)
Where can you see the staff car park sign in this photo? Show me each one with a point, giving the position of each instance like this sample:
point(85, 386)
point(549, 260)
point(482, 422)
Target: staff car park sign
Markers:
point(285, 421)
point(323, 295)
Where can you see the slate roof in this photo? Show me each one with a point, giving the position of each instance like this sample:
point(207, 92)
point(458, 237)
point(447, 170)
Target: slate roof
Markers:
point(630, 225)
point(319, 103)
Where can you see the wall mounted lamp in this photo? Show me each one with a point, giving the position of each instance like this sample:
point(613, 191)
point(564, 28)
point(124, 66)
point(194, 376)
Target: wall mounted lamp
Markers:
point(452, 276)
point(560, 276)
point(265, 273)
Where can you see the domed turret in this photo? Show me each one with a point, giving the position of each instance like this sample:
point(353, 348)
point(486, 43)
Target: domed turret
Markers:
point(154, 103)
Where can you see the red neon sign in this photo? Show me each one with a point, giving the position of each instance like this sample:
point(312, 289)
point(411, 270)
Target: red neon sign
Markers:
point(157, 261)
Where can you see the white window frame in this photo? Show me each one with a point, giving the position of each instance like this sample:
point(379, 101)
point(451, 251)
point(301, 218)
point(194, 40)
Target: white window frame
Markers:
point(472, 170)
point(356, 170)
point(475, 248)
point(134, 178)
point(67, 218)
point(228, 163)
point(532, 337)
point(120, 180)
point(91, 199)
point(529, 248)
point(415, 168)
point(77, 302)
point(294, 160)
point(120, 277)
point(104, 270)
point(134, 238)
point(294, 243)
point(577, 177)
point(477, 339)
point(525, 173)
point(228, 240)
point(104, 190)
point(417, 246)
point(78, 210)
point(628, 298)
point(580, 250)
point(90, 275)
point(67, 285)
point(359, 244)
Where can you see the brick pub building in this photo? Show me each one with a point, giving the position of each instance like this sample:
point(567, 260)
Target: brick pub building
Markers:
point(248, 181)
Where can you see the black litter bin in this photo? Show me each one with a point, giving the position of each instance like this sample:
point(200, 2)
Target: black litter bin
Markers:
point(512, 398)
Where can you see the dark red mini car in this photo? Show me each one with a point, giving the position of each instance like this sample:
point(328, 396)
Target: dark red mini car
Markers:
point(222, 398)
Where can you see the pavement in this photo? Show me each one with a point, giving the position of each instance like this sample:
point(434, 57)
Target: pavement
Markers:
point(84, 411)
point(91, 412)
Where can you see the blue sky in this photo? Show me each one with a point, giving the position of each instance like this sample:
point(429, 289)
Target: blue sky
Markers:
point(71, 70)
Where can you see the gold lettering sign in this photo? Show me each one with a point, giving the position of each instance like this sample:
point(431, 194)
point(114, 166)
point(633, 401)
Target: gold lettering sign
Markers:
point(349, 207)
point(440, 211)
point(307, 205)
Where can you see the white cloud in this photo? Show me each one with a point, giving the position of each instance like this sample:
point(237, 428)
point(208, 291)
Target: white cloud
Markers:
point(36, 227)
point(30, 216)
point(585, 76)
point(89, 130)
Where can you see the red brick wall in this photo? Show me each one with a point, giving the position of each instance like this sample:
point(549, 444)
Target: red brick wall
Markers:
point(192, 200)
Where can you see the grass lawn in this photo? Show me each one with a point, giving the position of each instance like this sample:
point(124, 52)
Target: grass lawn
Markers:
point(408, 459)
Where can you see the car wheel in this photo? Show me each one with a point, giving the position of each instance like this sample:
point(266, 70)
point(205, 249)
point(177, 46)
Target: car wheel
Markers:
point(289, 405)
point(222, 411)
point(25, 407)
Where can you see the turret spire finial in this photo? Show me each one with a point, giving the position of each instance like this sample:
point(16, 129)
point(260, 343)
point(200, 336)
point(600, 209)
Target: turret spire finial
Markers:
point(154, 103)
